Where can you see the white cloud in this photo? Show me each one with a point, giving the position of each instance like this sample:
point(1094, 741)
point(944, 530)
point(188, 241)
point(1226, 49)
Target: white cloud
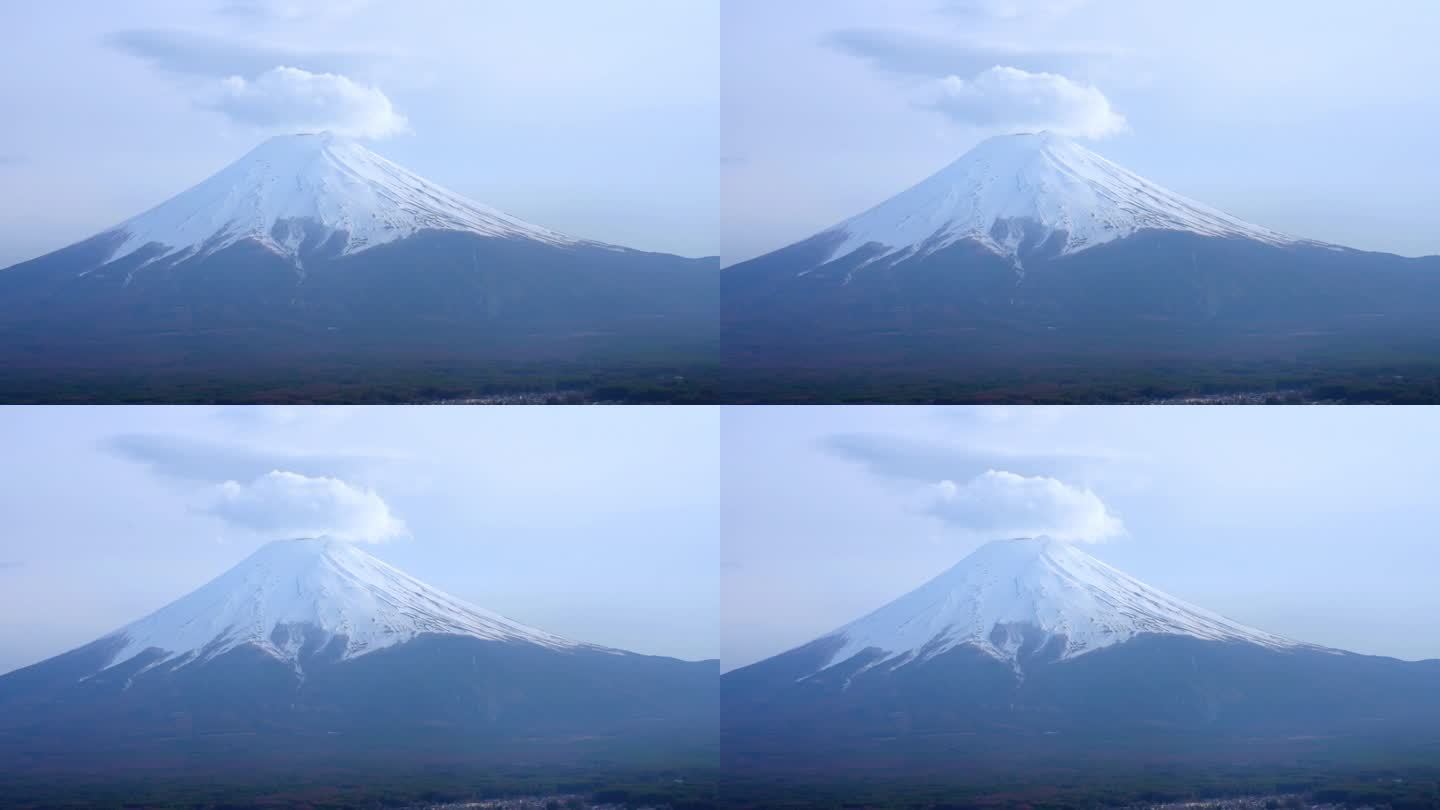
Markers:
point(286, 504)
point(1011, 99)
point(1000, 504)
point(287, 99)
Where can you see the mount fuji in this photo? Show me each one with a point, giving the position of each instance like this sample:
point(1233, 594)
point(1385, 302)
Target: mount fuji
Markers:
point(293, 596)
point(312, 251)
point(1033, 644)
point(1032, 253)
point(1021, 599)
point(316, 646)
point(310, 190)
point(1020, 194)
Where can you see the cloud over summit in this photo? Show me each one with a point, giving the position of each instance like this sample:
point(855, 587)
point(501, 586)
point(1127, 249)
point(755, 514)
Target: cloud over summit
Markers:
point(992, 84)
point(989, 493)
point(1012, 99)
point(286, 504)
point(269, 87)
point(271, 493)
point(286, 99)
point(999, 504)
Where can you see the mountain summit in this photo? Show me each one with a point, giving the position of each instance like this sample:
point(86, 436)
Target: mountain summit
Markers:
point(320, 188)
point(1024, 597)
point(294, 595)
point(1031, 189)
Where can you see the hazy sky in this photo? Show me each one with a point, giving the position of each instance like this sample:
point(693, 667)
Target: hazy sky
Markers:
point(600, 524)
point(1318, 523)
point(1313, 117)
point(595, 119)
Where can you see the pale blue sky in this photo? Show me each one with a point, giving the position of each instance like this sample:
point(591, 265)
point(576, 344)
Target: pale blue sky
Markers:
point(595, 119)
point(599, 524)
point(1313, 117)
point(1318, 523)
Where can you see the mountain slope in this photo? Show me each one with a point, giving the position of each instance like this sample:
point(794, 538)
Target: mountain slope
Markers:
point(1021, 191)
point(316, 645)
point(1031, 262)
point(1028, 638)
point(316, 187)
point(291, 594)
point(312, 255)
point(1029, 594)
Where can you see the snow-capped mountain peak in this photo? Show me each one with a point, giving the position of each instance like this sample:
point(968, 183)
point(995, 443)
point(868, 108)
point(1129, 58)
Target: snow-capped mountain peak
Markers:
point(307, 593)
point(316, 187)
point(1029, 593)
point(1026, 189)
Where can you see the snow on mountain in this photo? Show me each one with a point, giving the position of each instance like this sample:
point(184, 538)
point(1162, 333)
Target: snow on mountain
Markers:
point(999, 596)
point(291, 593)
point(324, 180)
point(1008, 182)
